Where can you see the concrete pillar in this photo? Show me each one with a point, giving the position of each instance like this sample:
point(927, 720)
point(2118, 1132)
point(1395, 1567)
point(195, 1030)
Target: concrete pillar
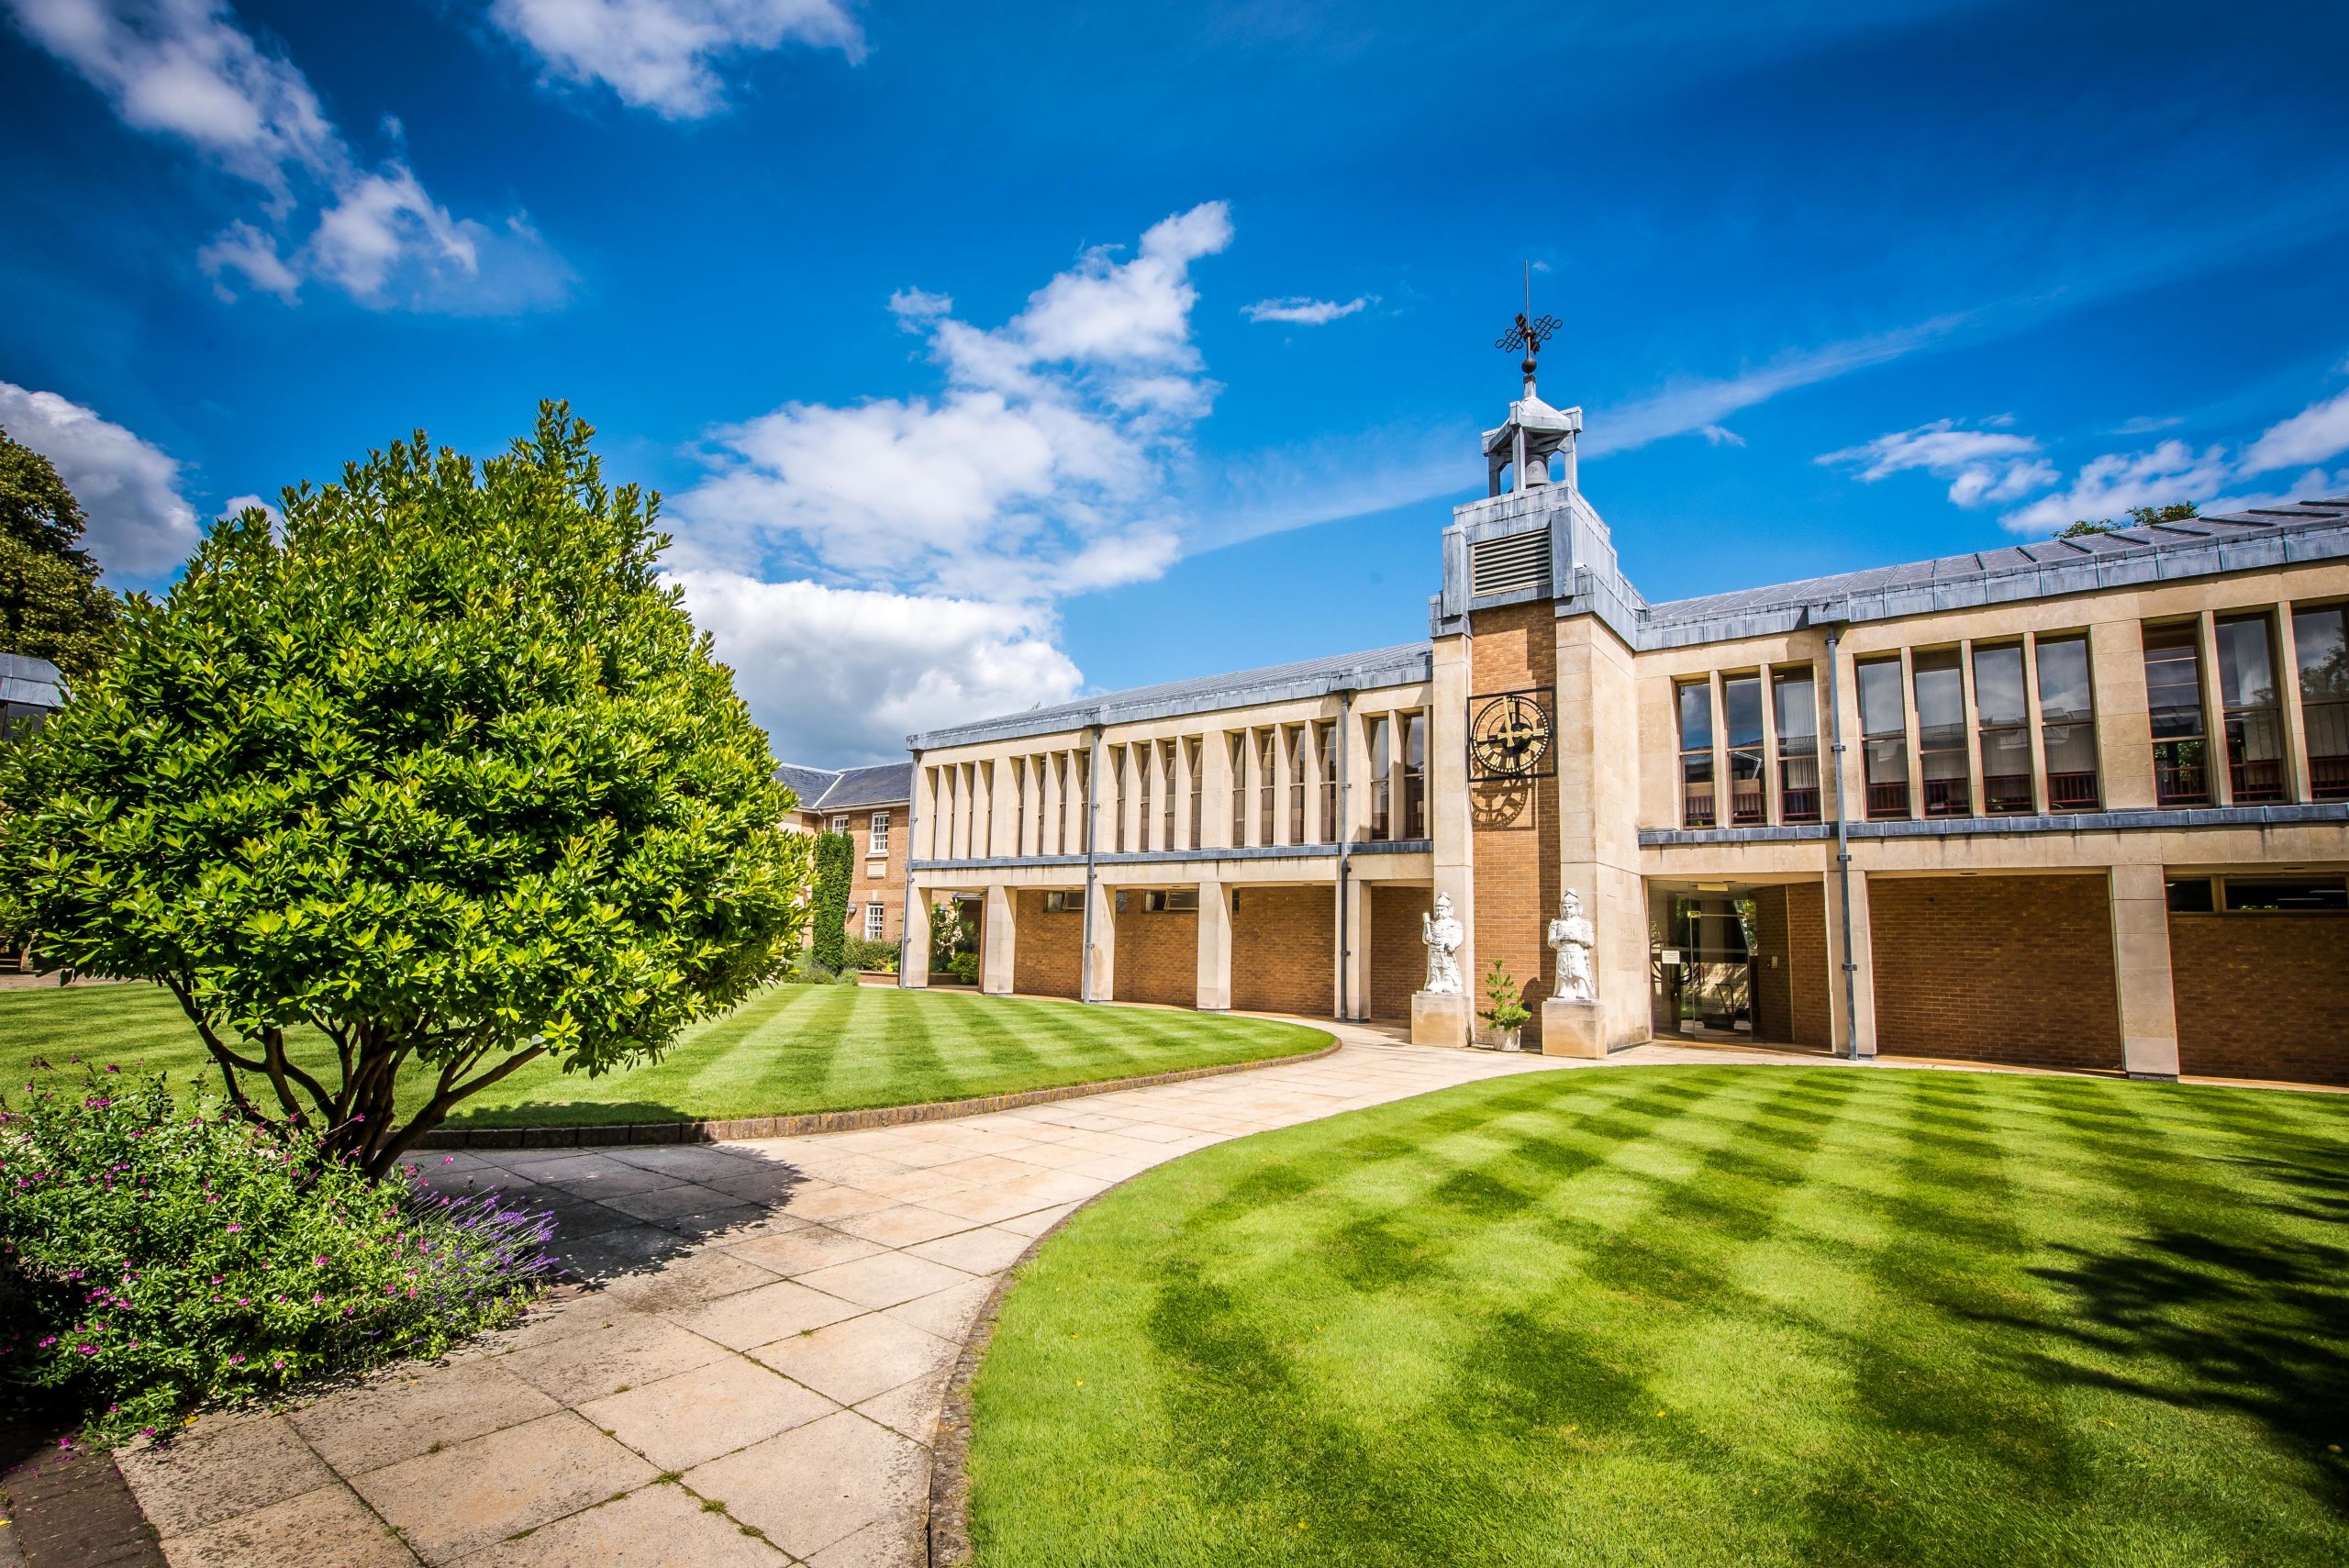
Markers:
point(913, 948)
point(982, 809)
point(1252, 783)
point(1309, 741)
point(999, 941)
point(1978, 788)
point(1215, 947)
point(2140, 965)
point(2124, 726)
point(1773, 806)
point(2041, 800)
point(1216, 785)
point(1448, 797)
point(1101, 956)
point(1851, 770)
point(1054, 814)
point(1354, 958)
point(2288, 676)
point(923, 845)
point(1914, 741)
point(1847, 1029)
point(1129, 765)
point(1077, 817)
point(1186, 810)
point(1286, 742)
point(2214, 724)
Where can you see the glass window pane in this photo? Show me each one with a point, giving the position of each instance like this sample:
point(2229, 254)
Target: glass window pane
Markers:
point(1998, 685)
point(2172, 681)
point(1797, 713)
point(2246, 662)
point(1881, 711)
point(1742, 709)
point(1696, 717)
point(2321, 639)
point(2063, 692)
point(1941, 694)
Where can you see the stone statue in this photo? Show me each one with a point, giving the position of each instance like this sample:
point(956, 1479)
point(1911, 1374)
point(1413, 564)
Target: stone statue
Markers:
point(1573, 936)
point(1443, 935)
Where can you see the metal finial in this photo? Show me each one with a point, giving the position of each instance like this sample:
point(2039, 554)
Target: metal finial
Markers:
point(1529, 331)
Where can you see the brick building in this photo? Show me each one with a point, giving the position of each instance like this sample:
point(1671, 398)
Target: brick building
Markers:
point(2080, 803)
point(873, 806)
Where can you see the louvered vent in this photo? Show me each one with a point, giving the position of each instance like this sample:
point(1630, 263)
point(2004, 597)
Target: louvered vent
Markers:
point(1510, 565)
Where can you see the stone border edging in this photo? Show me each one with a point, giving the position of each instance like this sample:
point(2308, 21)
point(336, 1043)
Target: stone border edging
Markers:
point(715, 1131)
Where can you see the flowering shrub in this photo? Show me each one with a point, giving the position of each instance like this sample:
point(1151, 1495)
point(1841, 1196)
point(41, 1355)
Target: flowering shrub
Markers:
point(169, 1253)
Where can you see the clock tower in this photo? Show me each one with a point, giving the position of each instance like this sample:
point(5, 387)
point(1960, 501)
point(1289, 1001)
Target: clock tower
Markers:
point(1532, 636)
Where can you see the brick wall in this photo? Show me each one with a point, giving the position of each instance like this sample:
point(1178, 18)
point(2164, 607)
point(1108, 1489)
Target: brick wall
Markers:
point(1398, 957)
point(1774, 1005)
point(1158, 954)
point(1048, 951)
point(1811, 985)
point(1514, 826)
point(2015, 968)
point(2262, 995)
point(872, 879)
point(1284, 944)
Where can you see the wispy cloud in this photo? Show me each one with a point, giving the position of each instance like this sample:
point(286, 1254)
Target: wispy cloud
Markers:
point(1719, 436)
point(1299, 311)
point(1983, 465)
point(2315, 433)
point(185, 70)
point(663, 55)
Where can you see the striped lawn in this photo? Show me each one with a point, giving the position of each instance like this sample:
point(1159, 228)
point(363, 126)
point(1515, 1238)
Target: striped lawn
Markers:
point(790, 1049)
point(1695, 1315)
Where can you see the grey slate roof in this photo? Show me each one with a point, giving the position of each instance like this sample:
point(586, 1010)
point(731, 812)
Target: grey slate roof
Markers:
point(841, 789)
point(2236, 541)
point(36, 683)
point(1277, 682)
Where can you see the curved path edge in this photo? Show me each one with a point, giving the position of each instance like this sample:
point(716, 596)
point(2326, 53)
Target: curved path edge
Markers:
point(708, 1130)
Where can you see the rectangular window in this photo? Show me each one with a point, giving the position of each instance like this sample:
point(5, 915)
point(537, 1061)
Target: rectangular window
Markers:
point(1381, 790)
point(1080, 773)
point(1166, 787)
point(2003, 712)
point(1239, 790)
point(2189, 896)
point(1144, 757)
point(2321, 645)
point(1794, 695)
point(1884, 737)
point(1741, 718)
point(2067, 723)
point(1414, 776)
point(1268, 782)
point(1065, 901)
point(1694, 701)
point(2174, 696)
point(2254, 711)
point(1325, 745)
point(1116, 798)
point(872, 922)
point(840, 824)
point(2286, 896)
point(877, 841)
point(1297, 783)
point(1197, 748)
point(1947, 774)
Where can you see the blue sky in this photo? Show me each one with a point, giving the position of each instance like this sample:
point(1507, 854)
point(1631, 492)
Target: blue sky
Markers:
point(987, 356)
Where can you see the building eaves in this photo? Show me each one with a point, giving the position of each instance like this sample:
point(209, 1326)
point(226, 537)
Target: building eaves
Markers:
point(1399, 665)
point(883, 784)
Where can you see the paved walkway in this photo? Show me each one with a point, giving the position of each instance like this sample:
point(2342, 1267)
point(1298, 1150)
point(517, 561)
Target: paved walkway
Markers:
point(755, 1369)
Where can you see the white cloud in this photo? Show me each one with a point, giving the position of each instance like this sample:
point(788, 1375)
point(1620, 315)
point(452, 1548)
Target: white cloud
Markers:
point(2109, 485)
point(1982, 466)
point(2315, 433)
point(842, 675)
point(185, 70)
point(1297, 310)
point(662, 54)
point(1719, 436)
point(1049, 463)
point(138, 525)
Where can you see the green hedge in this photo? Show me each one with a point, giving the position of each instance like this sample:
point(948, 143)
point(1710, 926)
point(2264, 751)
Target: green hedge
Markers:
point(829, 912)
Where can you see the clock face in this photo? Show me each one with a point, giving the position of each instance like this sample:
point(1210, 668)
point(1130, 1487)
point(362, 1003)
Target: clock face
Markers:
point(1509, 736)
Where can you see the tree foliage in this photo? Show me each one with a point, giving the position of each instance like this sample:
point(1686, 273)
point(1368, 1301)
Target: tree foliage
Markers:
point(51, 604)
point(827, 911)
point(443, 772)
point(2139, 518)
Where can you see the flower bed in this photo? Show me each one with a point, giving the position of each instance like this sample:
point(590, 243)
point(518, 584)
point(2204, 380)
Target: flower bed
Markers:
point(169, 1254)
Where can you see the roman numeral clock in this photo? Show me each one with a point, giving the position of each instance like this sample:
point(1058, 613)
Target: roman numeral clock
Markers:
point(1509, 737)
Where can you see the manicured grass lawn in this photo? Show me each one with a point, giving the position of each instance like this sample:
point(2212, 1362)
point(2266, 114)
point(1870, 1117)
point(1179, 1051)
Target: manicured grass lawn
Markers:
point(789, 1048)
point(1695, 1315)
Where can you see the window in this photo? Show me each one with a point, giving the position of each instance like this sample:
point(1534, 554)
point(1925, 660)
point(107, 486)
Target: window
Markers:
point(878, 843)
point(1325, 746)
point(872, 922)
point(1239, 790)
point(840, 823)
point(2286, 895)
point(1167, 789)
point(1694, 701)
point(2002, 711)
point(1948, 775)
point(1414, 776)
point(1197, 748)
point(1268, 782)
point(1116, 798)
point(2189, 896)
point(1144, 759)
point(1079, 772)
point(1297, 785)
point(2321, 644)
point(1884, 737)
point(1065, 901)
point(2174, 696)
point(2067, 723)
point(2253, 713)
point(1382, 788)
point(1794, 695)
point(1742, 717)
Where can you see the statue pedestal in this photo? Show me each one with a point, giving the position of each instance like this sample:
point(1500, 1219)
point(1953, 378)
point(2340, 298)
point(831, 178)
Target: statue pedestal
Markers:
point(1573, 1029)
point(1439, 1019)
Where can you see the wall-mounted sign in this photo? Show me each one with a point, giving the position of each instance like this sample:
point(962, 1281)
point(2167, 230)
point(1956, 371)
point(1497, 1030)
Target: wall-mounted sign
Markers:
point(1509, 737)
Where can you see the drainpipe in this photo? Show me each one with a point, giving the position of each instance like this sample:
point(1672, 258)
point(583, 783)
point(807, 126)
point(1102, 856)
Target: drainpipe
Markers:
point(1842, 845)
point(1091, 837)
point(1345, 848)
point(905, 921)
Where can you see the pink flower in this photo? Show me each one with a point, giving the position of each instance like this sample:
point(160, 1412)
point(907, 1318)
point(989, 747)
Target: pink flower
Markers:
point(234, 1226)
point(236, 1361)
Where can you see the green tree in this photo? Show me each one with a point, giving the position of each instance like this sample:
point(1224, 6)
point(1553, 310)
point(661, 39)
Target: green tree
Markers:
point(2139, 518)
point(51, 604)
point(443, 773)
point(835, 855)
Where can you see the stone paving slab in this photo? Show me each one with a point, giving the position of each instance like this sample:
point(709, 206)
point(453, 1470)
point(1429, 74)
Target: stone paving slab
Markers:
point(756, 1367)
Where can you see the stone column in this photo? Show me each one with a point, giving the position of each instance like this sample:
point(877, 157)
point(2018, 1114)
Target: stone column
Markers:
point(2287, 677)
point(1000, 939)
point(1215, 948)
point(1101, 959)
point(1308, 740)
point(982, 809)
point(1077, 817)
point(2124, 727)
point(1216, 785)
point(1128, 801)
point(1055, 810)
point(2214, 723)
point(1249, 782)
point(2041, 799)
point(1353, 953)
point(1448, 802)
point(1914, 741)
point(1183, 807)
point(1845, 1030)
point(913, 950)
point(2140, 965)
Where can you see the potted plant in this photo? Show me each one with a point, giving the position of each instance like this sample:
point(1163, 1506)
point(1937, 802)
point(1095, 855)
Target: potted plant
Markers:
point(1506, 1017)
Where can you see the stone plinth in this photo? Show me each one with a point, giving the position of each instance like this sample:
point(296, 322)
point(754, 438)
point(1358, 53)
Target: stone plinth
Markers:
point(1573, 1029)
point(1439, 1019)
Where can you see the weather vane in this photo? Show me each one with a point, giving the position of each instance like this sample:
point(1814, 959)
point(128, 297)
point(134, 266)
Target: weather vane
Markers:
point(1530, 331)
